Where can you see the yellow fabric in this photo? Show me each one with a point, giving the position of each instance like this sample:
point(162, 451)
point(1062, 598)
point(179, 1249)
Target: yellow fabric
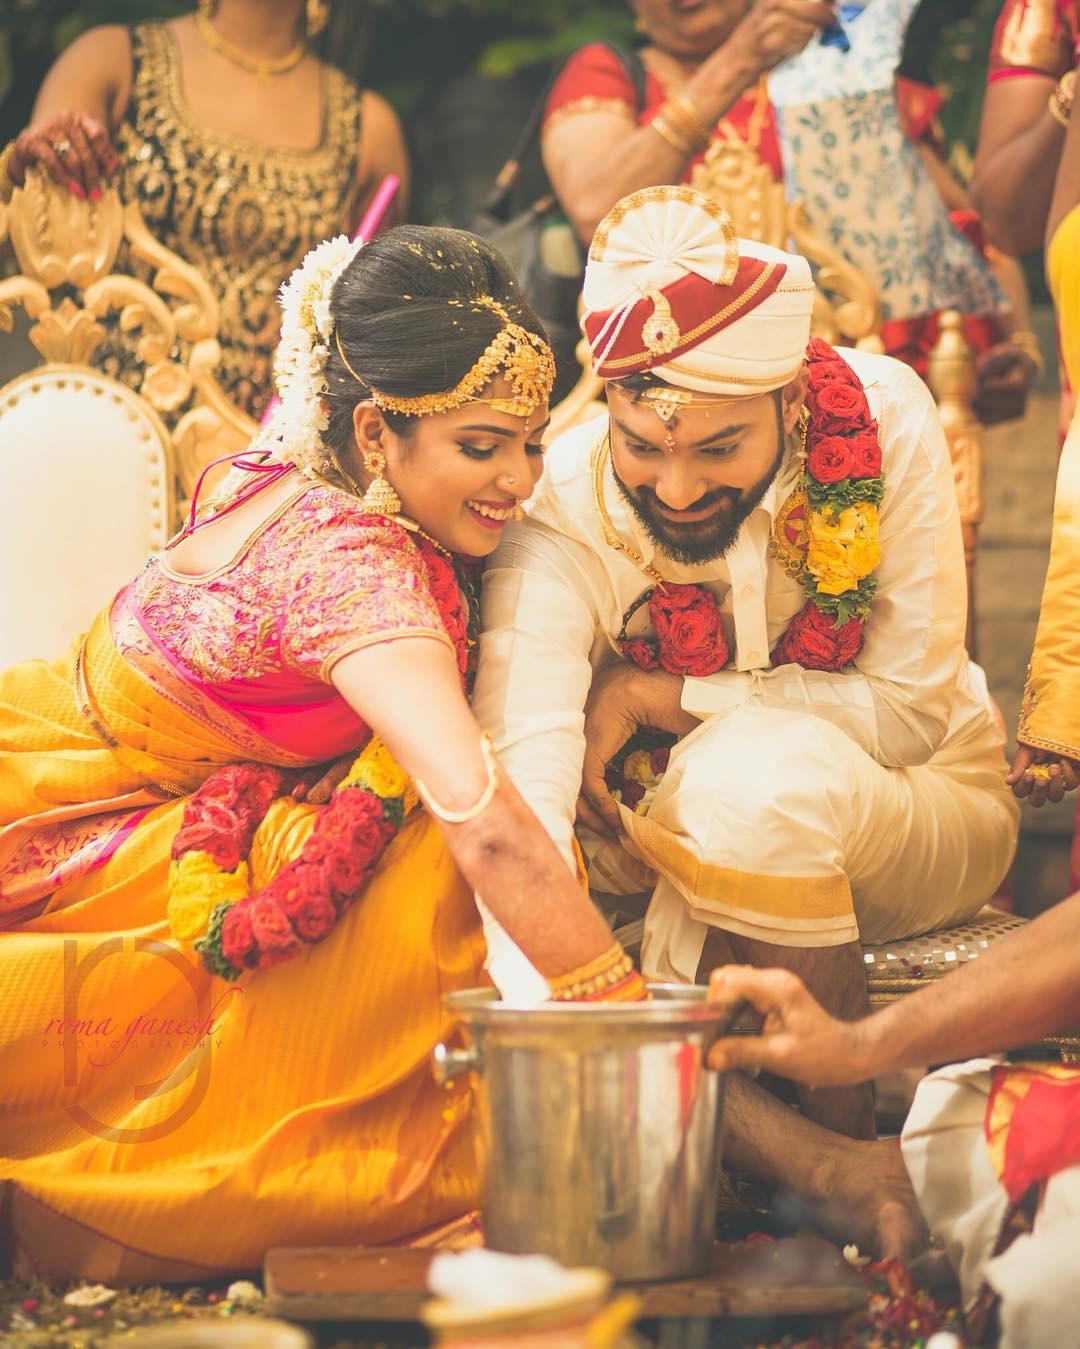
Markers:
point(1063, 271)
point(1050, 718)
point(307, 1114)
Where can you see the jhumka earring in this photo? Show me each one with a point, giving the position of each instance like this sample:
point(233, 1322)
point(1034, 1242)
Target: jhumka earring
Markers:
point(207, 8)
point(380, 498)
point(317, 16)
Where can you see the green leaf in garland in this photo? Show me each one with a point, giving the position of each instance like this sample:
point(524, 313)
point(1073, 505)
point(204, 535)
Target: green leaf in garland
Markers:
point(846, 492)
point(209, 947)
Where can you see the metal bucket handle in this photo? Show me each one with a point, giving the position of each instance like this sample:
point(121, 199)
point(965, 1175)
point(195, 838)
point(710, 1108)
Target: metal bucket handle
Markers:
point(448, 1064)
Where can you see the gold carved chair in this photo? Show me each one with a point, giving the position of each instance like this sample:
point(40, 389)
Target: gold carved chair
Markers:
point(93, 473)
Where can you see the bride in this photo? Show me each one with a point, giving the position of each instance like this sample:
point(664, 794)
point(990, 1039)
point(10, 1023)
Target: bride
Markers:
point(221, 964)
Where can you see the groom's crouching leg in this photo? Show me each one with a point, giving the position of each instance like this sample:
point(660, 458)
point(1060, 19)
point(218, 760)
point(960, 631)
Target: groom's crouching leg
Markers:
point(749, 829)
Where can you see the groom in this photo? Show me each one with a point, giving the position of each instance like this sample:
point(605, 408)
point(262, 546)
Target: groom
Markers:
point(757, 549)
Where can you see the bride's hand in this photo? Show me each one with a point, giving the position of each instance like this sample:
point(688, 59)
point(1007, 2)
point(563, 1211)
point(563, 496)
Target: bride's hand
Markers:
point(1041, 777)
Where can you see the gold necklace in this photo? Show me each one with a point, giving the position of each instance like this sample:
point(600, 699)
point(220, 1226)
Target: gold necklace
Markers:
point(411, 527)
point(611, 538)
point(277, 66)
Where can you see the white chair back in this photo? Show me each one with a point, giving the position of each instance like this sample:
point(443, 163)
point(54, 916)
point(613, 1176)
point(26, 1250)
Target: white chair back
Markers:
point(86, 494)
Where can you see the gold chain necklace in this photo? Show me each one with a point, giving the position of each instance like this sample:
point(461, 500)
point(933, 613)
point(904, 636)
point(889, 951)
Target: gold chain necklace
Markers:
point(411, 527)
point(277, 66)
point(611, 537)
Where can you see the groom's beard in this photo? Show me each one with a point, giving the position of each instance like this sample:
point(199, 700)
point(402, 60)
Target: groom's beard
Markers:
point(701, 540)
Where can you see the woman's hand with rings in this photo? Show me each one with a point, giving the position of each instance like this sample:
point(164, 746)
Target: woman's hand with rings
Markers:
point(72, 147)
point(1041, 777)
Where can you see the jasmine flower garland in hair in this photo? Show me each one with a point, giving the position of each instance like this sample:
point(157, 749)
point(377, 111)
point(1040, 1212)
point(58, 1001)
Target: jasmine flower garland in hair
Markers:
point(295, 429)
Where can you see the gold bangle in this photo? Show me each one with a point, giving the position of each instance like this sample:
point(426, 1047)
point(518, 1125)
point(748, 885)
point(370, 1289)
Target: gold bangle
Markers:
point(664, 129)
point(1061, 98)
point(1026, 341)
point(686, 123)
point(464, 816)
point(696, 122)
point(7, 183)
point(603, 972)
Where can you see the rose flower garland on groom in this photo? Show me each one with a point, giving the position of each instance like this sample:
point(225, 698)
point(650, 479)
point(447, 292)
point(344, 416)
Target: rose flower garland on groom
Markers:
point(756, 549)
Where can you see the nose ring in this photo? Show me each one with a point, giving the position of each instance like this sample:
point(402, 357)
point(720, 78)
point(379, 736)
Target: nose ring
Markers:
point(509, 478)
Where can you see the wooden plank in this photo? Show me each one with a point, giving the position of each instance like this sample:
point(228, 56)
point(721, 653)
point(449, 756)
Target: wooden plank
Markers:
point(798, 1276)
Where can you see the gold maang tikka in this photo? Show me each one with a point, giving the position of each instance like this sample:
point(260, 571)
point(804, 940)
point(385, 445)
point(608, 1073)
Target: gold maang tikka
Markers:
point(523, 358)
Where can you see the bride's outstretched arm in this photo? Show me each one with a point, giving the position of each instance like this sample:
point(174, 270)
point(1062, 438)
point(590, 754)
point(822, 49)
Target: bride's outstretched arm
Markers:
point(409, 692)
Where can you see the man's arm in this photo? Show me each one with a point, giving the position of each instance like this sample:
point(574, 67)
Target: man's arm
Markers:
point(539, 623)
point(1025, 986)
point(896, 700)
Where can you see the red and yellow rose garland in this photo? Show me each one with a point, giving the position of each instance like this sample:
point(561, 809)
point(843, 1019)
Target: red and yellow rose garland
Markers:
point(827, 536)
point(210, 904)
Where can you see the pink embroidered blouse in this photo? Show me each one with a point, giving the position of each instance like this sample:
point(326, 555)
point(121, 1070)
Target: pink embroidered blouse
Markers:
point(254, 641)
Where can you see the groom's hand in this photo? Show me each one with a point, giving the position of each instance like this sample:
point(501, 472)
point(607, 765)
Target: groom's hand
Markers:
point(621, 699)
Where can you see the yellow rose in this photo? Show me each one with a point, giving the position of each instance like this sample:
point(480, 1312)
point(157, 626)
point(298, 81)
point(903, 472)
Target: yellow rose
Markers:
point(638, 767)
point(830, 565)
point(196, 886)
point(864, 556)
point(377, 770)
point(868, 522)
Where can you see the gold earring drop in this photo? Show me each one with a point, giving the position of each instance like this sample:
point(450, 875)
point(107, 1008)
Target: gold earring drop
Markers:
point(207, 8)
point(380, 498)
point(317, 16)
point(804, 429)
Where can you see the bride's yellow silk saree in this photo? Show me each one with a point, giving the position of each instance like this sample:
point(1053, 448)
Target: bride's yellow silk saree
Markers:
point(157, 1122)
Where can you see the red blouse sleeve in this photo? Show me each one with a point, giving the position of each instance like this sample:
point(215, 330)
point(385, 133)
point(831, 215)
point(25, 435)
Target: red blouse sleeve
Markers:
point(1035, 37)
point(593, 80)
point(919, 106)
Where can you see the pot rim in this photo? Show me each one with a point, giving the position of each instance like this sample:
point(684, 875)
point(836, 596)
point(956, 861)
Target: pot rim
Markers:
point(672, 1005)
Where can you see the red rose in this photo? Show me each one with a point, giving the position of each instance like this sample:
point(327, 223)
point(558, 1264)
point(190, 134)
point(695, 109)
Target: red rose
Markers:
point(643, 653)
point(832, 372)
point(690, 635)
point(632, 792)
point(865, 453)
point(307, 906)
point(839, 407)
point(671, 597)
point(271, 927)
point(658, 760)
point(817, 349)
point(237, 938)
point(814, 642)
point(830, 458)
point(220, 816)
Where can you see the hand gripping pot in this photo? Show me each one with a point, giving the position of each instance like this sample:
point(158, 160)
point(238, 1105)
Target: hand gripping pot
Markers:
point(601, 1127)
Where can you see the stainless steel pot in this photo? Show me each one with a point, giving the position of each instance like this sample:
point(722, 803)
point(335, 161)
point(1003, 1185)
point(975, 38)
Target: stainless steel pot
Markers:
point(601, 1125)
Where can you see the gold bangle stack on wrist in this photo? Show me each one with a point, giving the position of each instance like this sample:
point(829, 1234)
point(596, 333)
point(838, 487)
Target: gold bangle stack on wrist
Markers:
point(7, 183)
point(1026, 341)
point(1061, 98)
point(611, 977)
point(680, 123)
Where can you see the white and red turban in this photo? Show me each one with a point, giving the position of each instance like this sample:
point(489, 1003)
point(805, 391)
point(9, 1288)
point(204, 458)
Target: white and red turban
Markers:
point(670, 288)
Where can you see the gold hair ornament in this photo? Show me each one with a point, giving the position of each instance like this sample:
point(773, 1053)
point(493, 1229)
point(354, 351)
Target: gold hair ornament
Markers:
point(523, 358)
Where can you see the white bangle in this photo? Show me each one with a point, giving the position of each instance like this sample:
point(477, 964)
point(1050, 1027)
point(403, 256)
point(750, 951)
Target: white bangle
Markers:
point(464, 816)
